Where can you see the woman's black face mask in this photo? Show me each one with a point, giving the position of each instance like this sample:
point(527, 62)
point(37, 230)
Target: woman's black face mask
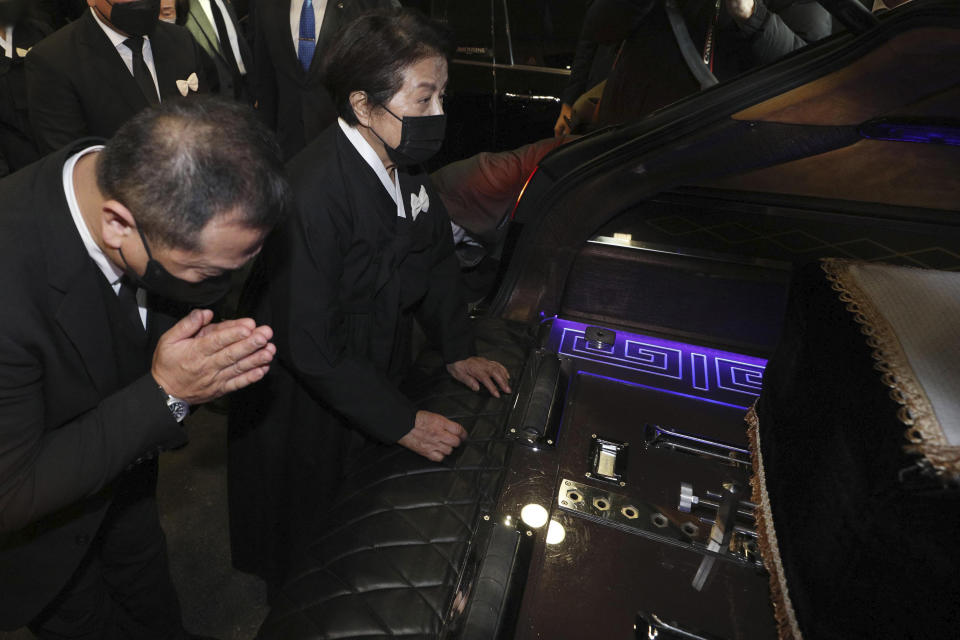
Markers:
point(157, 280)
point(420, 138)
point(136, 18)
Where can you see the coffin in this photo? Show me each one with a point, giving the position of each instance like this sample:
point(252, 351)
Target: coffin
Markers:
point(857, 460)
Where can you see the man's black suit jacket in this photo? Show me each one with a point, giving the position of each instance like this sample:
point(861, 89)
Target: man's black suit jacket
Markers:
point(67, 429)
point(205, 33)
point(17, 148)
point(78, 85)
point(294, 102)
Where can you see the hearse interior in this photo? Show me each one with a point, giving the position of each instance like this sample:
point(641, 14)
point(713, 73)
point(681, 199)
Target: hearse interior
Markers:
point(732, 329)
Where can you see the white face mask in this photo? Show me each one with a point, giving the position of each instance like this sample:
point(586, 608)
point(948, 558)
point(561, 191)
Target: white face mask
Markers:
point(170, 20)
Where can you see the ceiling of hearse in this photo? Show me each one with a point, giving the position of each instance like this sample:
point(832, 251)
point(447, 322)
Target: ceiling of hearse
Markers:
point(914, 77)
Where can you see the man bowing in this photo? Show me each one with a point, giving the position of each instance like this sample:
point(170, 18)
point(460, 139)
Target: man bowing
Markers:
point(102, 250)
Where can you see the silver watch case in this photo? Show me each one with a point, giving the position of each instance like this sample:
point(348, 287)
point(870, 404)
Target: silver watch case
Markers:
point(178, 408)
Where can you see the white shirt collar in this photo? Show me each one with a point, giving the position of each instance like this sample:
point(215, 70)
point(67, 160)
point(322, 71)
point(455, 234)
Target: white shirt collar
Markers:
point(116, 38)
point(6, 40)
point(110, 271)
point(126, 55)
point(367, 153)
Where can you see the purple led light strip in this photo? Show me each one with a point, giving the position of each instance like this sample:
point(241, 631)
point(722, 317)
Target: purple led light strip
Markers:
point(679, 368)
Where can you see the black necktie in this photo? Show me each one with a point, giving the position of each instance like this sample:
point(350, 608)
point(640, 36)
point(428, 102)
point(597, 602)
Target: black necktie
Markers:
point(141, 74)
point(225, 47)
point(129, 336)
point(127, 297)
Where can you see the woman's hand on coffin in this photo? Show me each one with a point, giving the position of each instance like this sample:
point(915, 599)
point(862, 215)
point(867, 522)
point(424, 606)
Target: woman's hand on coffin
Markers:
point(198, 360)
point(433, 436)
point(476, 371)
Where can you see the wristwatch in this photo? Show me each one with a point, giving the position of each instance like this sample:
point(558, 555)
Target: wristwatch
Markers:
point(178, 408)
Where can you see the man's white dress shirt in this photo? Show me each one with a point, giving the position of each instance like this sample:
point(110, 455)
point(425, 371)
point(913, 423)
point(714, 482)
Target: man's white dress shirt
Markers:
point(109, 270)
point(296, 6)
point(6, 40)
point(117, 38)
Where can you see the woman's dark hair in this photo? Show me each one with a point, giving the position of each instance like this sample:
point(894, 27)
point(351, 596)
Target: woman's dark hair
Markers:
point(370, 54)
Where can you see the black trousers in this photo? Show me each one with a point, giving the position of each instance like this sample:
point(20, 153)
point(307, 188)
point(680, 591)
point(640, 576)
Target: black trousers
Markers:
point(122, 588)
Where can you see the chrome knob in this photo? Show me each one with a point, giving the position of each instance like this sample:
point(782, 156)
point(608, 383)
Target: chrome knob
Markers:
point(687, 499)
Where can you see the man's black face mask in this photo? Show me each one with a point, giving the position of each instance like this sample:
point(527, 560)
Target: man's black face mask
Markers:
point(137, 18)
point(157, 280)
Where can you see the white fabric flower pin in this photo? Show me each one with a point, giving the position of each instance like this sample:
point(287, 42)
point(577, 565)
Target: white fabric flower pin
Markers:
point(192, 83)
point(419, 203)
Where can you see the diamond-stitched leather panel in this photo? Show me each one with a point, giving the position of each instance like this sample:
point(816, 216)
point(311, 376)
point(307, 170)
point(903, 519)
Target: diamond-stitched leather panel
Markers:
point(386, 562)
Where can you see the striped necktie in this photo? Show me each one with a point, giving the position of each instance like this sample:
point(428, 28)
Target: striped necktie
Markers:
point(307, 41)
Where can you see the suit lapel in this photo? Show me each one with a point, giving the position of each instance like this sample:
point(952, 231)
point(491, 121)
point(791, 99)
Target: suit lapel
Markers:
point(83, 317)
point(166, 79)
point(72, 276)
point(108, 64)
point(365, 195)
point(206, 33)
point(365, 184)
point(276, 17)
point(19, 43)
point(206, 30)
point(245, 53)
point(332, 19)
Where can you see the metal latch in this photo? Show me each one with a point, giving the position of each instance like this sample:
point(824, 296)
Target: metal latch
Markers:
point(725, 535)
point(608, 460)
point(660, 437)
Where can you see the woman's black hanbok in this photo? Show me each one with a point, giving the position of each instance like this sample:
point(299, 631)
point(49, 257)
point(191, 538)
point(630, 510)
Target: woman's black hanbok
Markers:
point(340, 284)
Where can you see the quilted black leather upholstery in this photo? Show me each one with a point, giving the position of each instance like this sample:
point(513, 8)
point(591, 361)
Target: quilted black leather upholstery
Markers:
point(387, 561)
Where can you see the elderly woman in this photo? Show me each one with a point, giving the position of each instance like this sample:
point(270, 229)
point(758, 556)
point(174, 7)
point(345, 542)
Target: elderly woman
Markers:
point(367, 249)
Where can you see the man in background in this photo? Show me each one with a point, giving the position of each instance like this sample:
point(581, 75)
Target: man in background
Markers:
point(291, 39)
point(18, 34)
point(100, 70)
point(215, 27)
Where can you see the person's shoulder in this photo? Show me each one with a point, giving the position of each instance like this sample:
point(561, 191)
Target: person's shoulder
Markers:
point(173, 33)
point(319, 158)
point(319, 180)
point(62, 42)
point(19, 188)
point(30, 31)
